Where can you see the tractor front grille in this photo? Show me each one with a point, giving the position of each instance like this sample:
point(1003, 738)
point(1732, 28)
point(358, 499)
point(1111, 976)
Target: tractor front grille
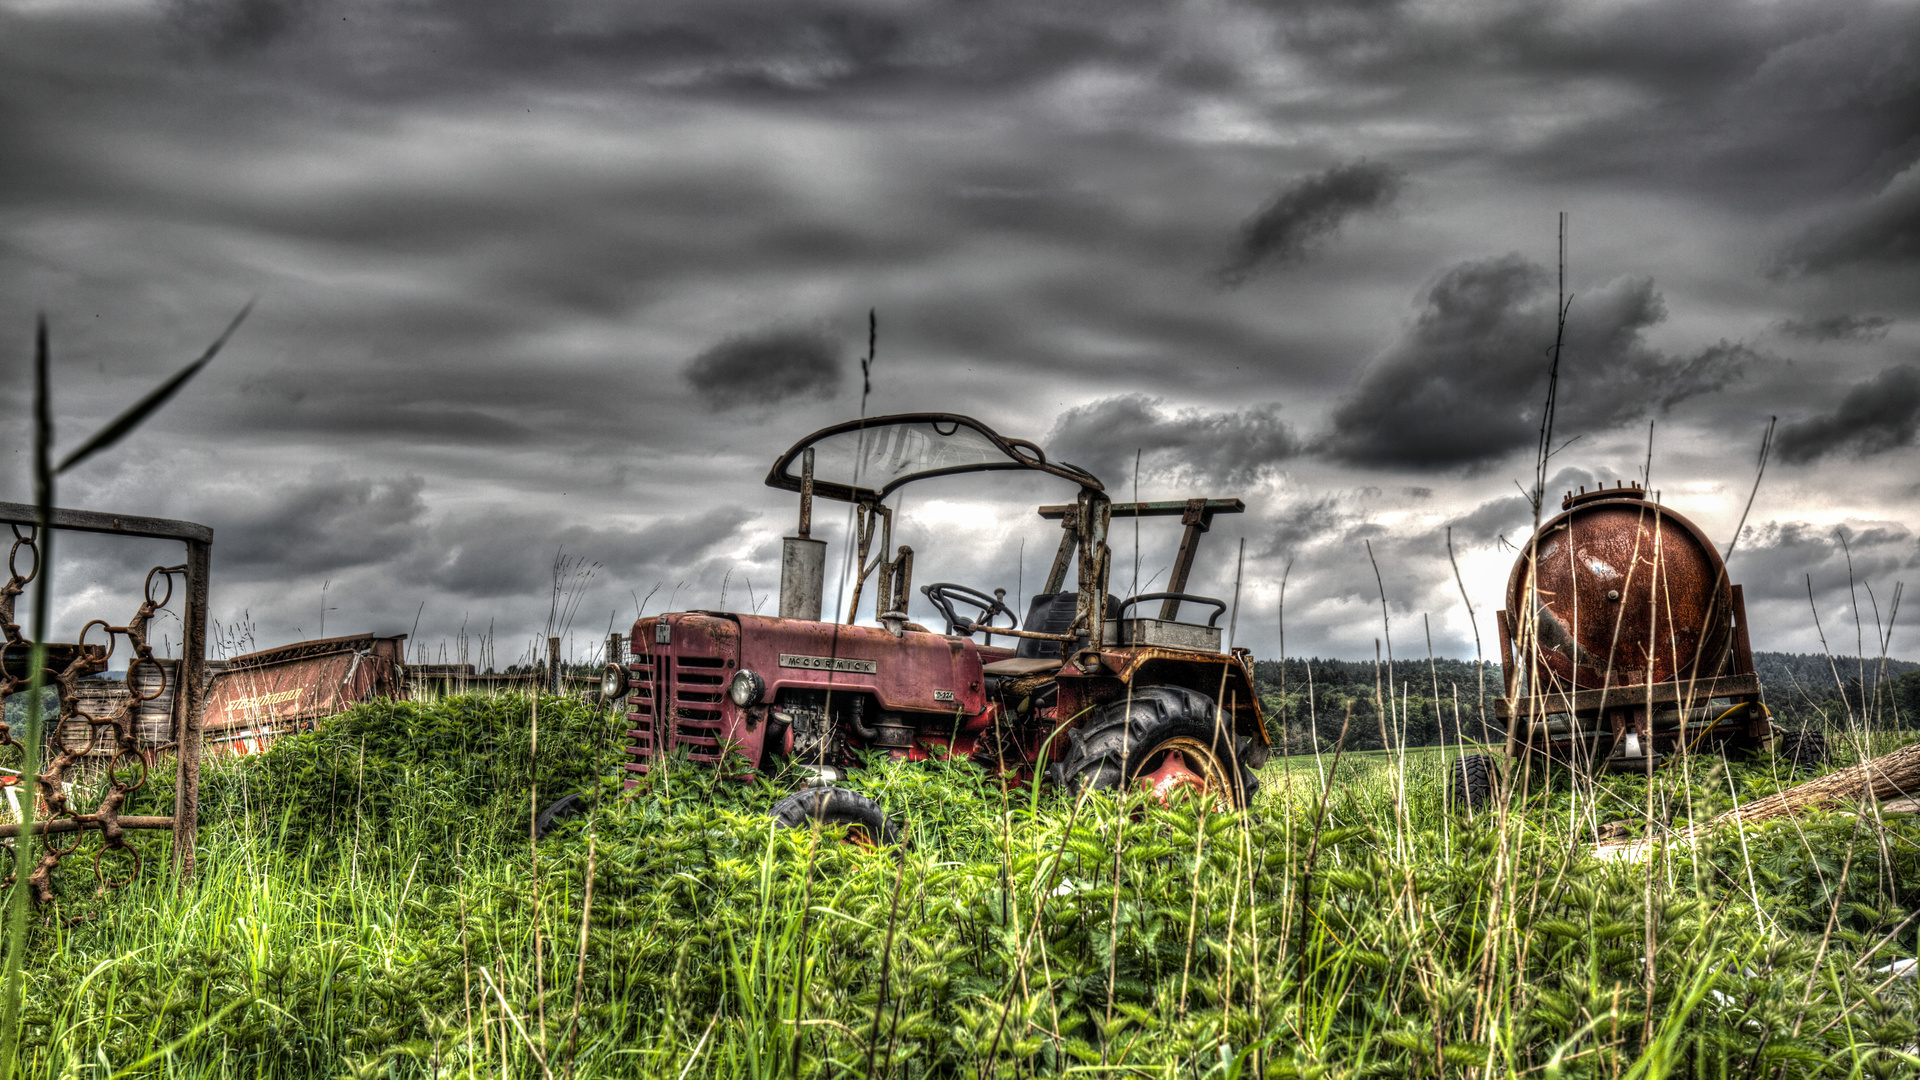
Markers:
point(674, 702)
point(651, 684)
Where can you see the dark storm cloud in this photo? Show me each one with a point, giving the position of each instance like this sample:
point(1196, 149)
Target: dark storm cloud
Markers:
point(799, 49)
point(1465, 384)
point(1876, 415)
point(512, 556)
point(488, 237)
point(1190, 446)
point(769, 368)
point(1883, 231)
point(1510, 518)
point(1306, 212)
point(228, 27)
point(320, 525)
point(1760, 104)
point(1837, 327)
point(1309, 522)
point(1774, 561)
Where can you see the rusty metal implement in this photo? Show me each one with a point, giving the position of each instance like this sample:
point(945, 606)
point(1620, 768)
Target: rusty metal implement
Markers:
point(78, 737)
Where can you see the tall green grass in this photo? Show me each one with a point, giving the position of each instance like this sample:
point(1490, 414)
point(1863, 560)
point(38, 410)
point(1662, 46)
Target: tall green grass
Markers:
point(368, 904)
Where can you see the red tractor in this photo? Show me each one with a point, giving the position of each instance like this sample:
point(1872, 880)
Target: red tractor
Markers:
point(1091, 690)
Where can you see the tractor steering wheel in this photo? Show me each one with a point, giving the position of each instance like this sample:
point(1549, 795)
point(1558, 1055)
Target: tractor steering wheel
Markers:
point(942, 594)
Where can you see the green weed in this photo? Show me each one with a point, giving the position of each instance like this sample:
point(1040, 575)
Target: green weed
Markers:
point(368, 904)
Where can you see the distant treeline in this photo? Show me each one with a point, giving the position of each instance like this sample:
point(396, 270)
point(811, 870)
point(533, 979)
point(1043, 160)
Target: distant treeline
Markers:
point(1811, 690)
point(1445, 701)
point(1432, 702)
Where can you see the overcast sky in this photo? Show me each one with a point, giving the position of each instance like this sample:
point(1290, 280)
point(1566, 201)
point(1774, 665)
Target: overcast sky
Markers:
point(565, 277)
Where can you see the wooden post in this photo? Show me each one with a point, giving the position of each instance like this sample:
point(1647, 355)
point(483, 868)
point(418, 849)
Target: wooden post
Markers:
point(553, 665)
point(616, 648)
point(1198, 519)
point(191, 686)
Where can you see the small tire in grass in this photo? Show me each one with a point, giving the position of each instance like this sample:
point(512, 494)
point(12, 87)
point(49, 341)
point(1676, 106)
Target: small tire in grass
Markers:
point(560, 811)
point(866, 823)
point(1470, 781)
point(1803, 751)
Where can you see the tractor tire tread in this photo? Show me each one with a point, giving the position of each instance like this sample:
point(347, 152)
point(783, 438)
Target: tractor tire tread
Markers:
point(1470, 781)
point(571, 805)
point(1804, 750)
point(835, 806)
point(1097, 752)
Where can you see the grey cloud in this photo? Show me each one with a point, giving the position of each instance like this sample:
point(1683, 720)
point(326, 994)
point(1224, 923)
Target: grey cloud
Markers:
point(1308, 211)
point(1884, 230)
point(1876, 415)
point(230, 27)
point(1189, 446)
point(766, 369)
point(1807, 97)
point(1837, 327)
point(791, 50)
point(464, 215)
point(1511, 517)
point(1774, 561)
point(509, 556)
point(1752, 105)
point(321, 525)
point(1464, 385)
point(1309, 522)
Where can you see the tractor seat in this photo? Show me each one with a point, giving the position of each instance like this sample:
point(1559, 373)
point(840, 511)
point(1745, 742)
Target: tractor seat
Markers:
point(1052, 613)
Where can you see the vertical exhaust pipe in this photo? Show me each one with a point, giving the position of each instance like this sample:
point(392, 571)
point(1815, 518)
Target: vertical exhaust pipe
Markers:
point(803, 560)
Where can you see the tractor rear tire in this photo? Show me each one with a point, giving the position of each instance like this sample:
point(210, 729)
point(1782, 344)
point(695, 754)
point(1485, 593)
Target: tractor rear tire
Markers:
point(866, 822)
point(1470, 783)
point(1132, 737)
point(1803, 750)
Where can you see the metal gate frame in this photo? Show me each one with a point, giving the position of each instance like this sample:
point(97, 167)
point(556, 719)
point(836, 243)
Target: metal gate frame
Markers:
point(190, 687)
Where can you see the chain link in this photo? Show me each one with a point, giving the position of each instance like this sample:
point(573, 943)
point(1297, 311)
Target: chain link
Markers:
point(127, 766)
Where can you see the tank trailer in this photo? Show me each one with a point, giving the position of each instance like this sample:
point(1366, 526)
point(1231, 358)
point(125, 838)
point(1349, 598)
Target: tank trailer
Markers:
point(1623, 644)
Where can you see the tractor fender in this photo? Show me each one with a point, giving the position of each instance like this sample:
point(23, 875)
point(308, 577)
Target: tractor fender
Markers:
point(1221, 678)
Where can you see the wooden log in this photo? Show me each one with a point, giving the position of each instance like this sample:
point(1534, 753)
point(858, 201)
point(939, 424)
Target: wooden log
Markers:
point(1889, 776)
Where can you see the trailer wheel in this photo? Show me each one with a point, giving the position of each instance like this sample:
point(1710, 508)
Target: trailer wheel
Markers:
point(1471, 781)
point(560, 811)
point(866, 822)
point(1803, 750)
point(1163, 736)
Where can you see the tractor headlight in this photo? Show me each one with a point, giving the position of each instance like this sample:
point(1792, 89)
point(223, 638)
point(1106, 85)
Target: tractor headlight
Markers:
point(613, 683)
point(746, 688)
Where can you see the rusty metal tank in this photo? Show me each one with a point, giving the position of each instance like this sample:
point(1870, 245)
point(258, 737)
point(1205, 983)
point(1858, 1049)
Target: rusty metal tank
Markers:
point(1627, 592)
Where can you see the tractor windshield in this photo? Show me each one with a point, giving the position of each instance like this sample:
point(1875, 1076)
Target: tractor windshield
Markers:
point(864, 460)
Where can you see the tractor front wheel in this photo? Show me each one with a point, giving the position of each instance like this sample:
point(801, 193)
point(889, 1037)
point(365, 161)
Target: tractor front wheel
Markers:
point(1165, 738)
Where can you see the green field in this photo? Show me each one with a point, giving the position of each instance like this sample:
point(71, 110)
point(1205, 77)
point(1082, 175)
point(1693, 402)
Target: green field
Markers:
point(368, 904)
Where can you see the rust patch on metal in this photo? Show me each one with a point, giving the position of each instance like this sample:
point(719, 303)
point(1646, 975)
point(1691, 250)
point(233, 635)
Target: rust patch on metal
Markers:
point(1625, 591)
point(262, 695)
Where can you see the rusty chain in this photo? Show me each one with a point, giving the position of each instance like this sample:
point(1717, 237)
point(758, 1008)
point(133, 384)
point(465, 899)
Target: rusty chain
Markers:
point(126, 770)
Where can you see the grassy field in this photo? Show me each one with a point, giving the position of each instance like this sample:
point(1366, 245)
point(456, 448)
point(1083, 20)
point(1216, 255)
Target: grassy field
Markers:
point(369, 905)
